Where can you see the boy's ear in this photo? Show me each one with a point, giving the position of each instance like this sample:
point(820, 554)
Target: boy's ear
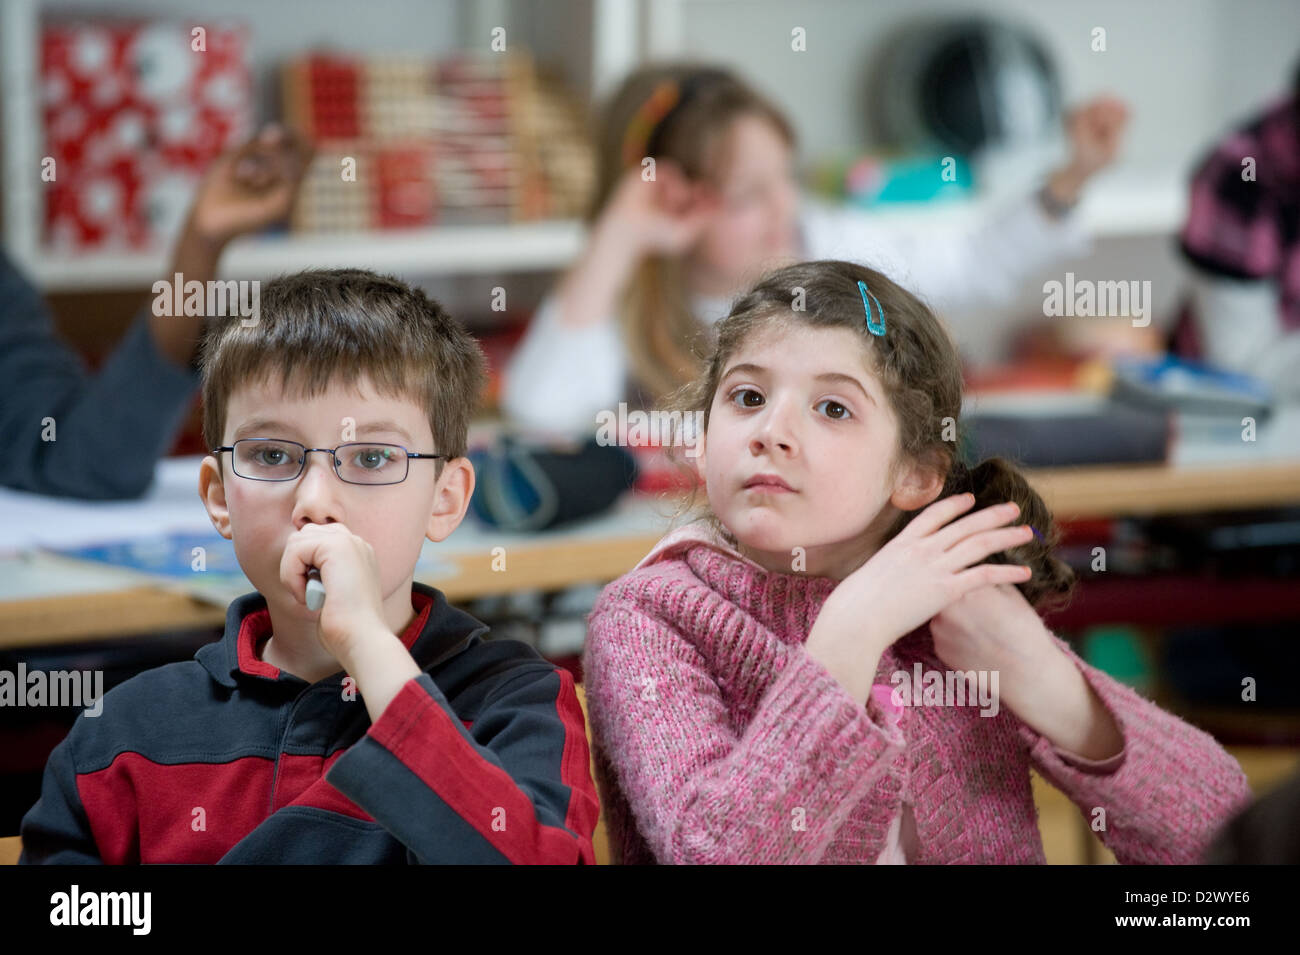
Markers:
point(451, 499)
point(212, 491)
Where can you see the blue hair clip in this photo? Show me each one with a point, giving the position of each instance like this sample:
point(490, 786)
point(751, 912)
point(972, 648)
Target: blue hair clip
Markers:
point(876, 328)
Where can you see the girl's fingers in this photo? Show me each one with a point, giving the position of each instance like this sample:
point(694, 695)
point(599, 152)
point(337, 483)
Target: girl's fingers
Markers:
point(988, 575)
point(937, 514)
point(985, 518)
point(979, 547)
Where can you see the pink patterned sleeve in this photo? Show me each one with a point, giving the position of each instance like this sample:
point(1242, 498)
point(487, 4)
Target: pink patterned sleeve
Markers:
point(1164, 795)
point(701, 793)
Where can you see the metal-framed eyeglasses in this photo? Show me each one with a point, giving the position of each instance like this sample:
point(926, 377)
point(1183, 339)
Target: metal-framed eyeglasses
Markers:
point(361, 462)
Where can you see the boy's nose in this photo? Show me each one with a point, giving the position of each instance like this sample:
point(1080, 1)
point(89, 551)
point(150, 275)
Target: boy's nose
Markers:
point(316, 498)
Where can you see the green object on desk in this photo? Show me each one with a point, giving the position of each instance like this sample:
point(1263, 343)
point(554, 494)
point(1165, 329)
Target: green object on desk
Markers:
point(1119, 652)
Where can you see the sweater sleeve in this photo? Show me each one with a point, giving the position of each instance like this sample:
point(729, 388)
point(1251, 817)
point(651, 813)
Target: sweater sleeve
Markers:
point(109, 429)
point(559, 378)
point(777, 792)
point(57, 831)
point(514, 788)
point(1165, 795)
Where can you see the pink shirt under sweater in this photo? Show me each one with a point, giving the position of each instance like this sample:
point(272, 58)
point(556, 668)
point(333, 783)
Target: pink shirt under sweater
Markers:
point(717, 738)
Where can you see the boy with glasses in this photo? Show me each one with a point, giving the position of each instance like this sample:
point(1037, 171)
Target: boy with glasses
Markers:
point(381, 727)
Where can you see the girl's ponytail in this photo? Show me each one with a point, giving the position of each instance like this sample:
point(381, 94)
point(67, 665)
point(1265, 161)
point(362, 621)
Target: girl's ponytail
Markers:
point(996, 480)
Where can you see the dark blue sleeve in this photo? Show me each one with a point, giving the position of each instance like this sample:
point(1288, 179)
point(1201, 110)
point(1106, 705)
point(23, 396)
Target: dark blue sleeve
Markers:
point(56, 830)
point(515, 787)
point(109, 429)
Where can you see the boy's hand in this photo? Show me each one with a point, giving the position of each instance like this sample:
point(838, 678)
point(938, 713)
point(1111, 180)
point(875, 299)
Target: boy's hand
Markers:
point(354, 605)
point(249, 188)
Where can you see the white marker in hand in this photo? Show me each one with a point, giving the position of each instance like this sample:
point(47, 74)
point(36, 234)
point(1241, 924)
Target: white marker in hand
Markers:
point(315, 590)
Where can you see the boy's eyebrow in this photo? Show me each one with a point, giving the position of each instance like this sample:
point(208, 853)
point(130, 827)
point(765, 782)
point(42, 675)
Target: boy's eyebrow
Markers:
point(832, 376)
point(271, 428)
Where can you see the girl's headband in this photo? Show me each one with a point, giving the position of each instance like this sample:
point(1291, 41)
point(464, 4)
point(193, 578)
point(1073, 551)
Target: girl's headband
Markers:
point(645, 129)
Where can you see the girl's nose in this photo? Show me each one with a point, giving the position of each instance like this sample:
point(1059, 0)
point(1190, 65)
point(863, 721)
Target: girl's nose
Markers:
point(774, 432)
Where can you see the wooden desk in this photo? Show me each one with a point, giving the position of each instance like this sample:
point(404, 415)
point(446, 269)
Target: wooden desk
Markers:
point(1071, 493)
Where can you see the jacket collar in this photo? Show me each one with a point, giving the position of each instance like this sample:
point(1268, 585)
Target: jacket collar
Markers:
point(436, 633)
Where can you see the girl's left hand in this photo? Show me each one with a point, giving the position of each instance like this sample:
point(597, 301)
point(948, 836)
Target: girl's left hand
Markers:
point(993, 628)
point(1095, 130)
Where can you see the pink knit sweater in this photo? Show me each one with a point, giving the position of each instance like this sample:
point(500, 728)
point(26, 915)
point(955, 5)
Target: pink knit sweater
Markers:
point(718, 739)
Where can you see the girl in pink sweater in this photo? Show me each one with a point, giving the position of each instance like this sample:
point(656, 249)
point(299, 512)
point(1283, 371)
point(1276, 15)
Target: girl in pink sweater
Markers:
point(842, 660)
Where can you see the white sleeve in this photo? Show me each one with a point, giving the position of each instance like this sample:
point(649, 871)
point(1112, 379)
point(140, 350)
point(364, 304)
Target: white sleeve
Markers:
point(1240, 327)
point(560, 377)
point(954, 268)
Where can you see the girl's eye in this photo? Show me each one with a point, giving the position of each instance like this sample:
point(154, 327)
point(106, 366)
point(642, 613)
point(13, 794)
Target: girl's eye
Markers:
point(834, 408)
point(740, 392)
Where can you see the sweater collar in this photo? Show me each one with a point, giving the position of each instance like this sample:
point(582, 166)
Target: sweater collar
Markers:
point(785, 603)
point(437, 631)
point(778, 599)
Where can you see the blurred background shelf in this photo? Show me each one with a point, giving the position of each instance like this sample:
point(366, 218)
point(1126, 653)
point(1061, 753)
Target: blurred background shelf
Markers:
point(1133, 209)
point(461, 249)
point(1129, 202)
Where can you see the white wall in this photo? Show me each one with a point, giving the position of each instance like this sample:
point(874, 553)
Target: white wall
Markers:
point(1186, 67)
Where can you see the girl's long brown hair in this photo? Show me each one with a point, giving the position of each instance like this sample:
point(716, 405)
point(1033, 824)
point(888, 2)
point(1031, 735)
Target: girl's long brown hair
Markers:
point(920, 371)
point(662, 334)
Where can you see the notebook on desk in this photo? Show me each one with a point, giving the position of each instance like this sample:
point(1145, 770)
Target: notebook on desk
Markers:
point(1059, 429)
point(1122, 411)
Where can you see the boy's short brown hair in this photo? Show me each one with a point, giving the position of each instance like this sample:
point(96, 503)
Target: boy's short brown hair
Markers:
point(322, 327)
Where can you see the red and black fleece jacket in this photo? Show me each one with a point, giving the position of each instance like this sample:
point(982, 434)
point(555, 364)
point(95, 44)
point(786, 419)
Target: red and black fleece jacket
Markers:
point(482, 758)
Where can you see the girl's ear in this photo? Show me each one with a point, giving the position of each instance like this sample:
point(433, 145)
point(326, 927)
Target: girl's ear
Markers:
point(917, 485)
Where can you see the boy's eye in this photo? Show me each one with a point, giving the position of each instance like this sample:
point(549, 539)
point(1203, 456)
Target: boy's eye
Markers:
point(371, 459)
point(833, 408)
point(744, 402)
point(270, 455)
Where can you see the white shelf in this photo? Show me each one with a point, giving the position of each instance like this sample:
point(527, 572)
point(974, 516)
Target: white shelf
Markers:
point(458, 249)
point(1124, 202)
point(1128, 204)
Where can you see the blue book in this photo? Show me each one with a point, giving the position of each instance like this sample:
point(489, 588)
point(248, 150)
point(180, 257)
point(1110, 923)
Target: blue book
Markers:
point(1177, 384)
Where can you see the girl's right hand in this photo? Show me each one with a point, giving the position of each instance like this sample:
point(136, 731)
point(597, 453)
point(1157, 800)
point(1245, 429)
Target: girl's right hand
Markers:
point(662, 216)
point(923, 569)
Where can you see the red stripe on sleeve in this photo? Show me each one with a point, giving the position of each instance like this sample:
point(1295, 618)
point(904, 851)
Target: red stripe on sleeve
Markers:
point(419, 732)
